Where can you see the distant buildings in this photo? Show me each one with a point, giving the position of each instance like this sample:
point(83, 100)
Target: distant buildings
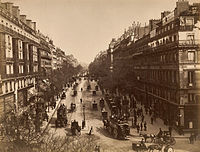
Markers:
point(164, 61)
point(26, 55)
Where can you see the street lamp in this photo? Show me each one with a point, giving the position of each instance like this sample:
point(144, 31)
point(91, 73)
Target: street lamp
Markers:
point(84, 112)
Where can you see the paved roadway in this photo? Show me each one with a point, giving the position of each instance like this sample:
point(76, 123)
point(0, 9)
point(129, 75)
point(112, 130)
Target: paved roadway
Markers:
point(93, 118)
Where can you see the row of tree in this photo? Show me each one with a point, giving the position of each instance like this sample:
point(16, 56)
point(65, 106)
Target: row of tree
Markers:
point(21, 132)
point(121, 76)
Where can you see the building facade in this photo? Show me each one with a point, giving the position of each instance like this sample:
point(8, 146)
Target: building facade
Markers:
point(25, 54)
point(45, 56)
point(18, 57)
point(164, 65)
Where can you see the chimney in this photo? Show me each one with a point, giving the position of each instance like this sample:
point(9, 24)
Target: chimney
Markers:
point(23, 18)
point(152, 24)
point(33, 25)
point(16, 11)
point(8, 6)
point(28, 22)
point(181, 6)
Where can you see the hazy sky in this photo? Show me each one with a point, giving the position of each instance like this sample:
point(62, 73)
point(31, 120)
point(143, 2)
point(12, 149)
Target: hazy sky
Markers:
point(85, 27)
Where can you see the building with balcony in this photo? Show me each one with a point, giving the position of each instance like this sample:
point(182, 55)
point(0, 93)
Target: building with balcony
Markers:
point(19, 60)
point(45, 56)
point(164, 65)
point(60, 58)
point(54, 55)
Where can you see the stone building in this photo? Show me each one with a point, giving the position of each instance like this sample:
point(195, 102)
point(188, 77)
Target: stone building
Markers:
point(18, 57)
point(164, 65)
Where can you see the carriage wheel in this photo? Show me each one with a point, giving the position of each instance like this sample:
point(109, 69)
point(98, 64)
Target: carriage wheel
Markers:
point(168, 149)
point(115, 133)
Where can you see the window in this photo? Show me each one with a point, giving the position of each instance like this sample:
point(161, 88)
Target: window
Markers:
point(35, 54)
point(175, 38)
point(191, 56)
point(28, 68)
point(21, 69)
point(190, 78)
point(20, 49)
point(191, 98)
point(35, 68)
point(6, 87)
point(11, 89)
point(8, 43)
point(190, 38)
point(9, 69)
point(27, 48)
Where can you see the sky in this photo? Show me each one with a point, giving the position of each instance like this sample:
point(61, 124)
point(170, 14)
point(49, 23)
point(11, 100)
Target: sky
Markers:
point(86, 27)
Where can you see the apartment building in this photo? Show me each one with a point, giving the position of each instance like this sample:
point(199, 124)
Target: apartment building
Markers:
point(164, 65)
point(18, 57)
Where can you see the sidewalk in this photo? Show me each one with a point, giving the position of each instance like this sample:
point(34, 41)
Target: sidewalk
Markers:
point(50, 114)
point(154, 128)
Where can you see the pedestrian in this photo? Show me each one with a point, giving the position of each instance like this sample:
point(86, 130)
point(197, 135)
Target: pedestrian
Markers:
point(90, 131)
point(141, 110)
point(81, 100)
point(138, 128)
point(170, 131)
point(81, 89)
point(150, 111)
point(191, 139)
point(152, 120)
point(145, 126)
point(142, 118)
point(141, 126)
point(83, 124)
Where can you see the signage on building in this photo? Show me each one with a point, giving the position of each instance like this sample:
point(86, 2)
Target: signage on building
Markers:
point(168, 18)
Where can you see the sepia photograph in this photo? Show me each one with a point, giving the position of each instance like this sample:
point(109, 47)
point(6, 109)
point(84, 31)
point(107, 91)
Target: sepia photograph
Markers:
point(99, 75)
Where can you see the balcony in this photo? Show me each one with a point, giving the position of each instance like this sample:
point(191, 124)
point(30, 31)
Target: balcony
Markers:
point(180, 43)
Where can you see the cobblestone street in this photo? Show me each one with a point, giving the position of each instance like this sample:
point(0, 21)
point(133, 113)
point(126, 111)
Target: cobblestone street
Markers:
point(94, 119)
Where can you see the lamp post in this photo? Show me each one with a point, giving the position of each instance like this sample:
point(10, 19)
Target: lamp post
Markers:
point(84, 112)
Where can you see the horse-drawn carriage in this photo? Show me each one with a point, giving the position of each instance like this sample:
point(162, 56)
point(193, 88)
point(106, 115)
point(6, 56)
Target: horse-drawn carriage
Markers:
point(94, 93)
point(164, 138)
point(96, 88)
point(101, 103)
point(61, 120)
point(141, 147)
point(63, 96)
point(88, 87)
point(94, 106)
point(104, 115)
point(119, 129)
point(161, 142)
point(73, 107)
point(75, 128)
point(74, 93)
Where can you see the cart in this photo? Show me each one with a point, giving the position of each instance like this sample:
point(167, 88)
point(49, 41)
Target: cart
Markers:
point(93, 93)
point(61, 120)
